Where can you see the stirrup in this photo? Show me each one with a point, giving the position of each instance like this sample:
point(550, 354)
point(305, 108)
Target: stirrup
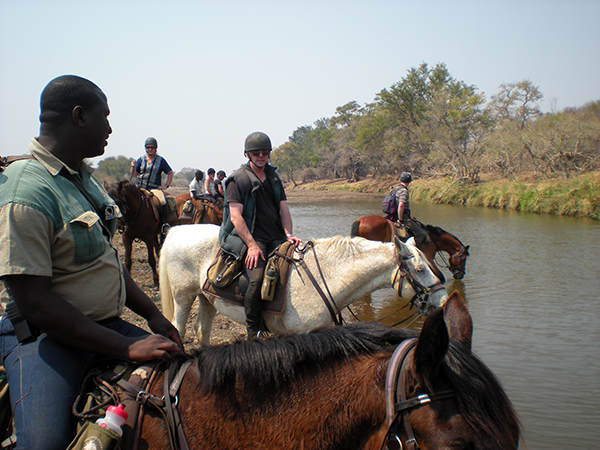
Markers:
point(165, 228)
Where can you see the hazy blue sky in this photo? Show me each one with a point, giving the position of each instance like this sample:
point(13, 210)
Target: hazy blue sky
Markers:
point(201, 75)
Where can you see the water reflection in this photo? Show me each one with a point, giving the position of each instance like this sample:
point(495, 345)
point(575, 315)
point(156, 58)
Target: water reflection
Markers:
point(532, 287)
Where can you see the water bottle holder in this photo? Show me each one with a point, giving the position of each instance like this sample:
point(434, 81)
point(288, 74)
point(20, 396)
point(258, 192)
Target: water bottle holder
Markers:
point(93, 436)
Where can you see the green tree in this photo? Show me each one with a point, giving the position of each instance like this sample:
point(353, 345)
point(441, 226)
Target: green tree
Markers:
point(113, 169)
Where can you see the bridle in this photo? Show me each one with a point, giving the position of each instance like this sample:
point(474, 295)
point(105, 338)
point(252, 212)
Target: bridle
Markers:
point(397, 405)
point(125, 209)
point(462, 252)
point(422, 293)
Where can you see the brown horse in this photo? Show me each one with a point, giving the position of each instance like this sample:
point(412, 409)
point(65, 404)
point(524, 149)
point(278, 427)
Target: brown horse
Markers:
point(139, 221)
point(358, 386)
point(377, 228)
point(205, 211)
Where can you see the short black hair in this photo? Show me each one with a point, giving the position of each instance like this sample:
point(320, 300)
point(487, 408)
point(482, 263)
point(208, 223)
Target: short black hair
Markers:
point(64, 93)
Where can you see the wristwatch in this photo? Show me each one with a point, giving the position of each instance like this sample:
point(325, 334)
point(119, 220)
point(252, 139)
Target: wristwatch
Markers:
point(167, 186)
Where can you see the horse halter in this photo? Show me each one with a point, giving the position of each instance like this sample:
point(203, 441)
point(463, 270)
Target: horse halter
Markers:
point(422, 293)
point(397, 405)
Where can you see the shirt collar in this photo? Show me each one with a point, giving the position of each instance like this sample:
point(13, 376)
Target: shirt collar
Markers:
point(52, 164)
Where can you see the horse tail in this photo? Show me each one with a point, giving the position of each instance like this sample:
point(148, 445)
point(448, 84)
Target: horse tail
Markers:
point(166, 294)
point(354, 229)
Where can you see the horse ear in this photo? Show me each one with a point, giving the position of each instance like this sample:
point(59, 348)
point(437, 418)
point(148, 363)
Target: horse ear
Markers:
point(458, 320)
point(401, 246)
point(431, 348)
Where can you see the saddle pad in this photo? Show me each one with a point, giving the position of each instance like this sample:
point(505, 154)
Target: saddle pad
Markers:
point(234, 292)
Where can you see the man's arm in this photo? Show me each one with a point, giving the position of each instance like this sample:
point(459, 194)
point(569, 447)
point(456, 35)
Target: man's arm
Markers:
point(169, 179)
point(400, 211)
point(67, 325)
point(132, 171)
point(286, 221)
point(141, 304)
point(254, 252)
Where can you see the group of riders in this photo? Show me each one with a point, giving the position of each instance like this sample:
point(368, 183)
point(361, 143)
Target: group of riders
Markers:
point(68, 287)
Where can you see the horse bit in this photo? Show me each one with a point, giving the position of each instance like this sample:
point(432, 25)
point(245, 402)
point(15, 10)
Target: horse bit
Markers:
point(422, 293)
point(396, 403)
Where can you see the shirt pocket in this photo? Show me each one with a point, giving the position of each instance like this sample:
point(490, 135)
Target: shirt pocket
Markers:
point(87, 238)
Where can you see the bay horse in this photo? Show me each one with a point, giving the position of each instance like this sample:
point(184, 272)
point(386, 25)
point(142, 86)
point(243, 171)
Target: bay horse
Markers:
point(360, 386)
point(205, 211)
point(139, 221)
point(378, 228)
point(350, 268)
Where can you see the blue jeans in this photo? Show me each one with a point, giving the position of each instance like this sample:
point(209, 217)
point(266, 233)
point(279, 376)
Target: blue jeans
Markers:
point(44, 378)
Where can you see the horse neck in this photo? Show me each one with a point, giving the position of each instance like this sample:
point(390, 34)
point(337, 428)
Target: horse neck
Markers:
point(447, 243)
point(350, 278)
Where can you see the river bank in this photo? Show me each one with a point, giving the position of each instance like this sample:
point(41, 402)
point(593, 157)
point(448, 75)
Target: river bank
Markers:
point(578, 196)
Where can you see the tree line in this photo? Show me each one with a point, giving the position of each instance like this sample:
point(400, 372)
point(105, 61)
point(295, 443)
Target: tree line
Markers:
point(433, 125)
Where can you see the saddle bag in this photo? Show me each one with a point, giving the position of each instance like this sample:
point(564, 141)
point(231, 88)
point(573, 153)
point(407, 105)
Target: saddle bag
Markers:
point(277, 259)
point(224, 269)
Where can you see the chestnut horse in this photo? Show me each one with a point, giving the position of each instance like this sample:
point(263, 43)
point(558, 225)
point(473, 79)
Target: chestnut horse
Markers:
point(338, 388)
point(205, 211)
point(377, 228)
point(139, 221)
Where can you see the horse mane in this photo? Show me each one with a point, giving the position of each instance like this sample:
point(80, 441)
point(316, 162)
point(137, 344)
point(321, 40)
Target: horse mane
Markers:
point(481, 400)
point(439, 232)
point(342, 246)
point(267, 367)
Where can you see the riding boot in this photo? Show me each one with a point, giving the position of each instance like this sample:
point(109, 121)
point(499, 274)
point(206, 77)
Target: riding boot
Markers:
point(253, 309)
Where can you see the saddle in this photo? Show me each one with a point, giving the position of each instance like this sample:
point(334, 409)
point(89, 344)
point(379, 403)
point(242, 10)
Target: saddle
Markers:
point(192, 209)
point(280, 260)
point(162, 204)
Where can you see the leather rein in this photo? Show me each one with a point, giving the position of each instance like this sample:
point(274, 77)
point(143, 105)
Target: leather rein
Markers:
point(397, 405)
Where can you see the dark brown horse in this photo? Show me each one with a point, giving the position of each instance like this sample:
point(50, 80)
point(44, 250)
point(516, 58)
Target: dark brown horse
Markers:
point(349, 387)
point(205, 211)
point(140, 221)
point(377, 228)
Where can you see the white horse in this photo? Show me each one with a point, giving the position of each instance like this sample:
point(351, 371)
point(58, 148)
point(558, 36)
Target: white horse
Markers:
point(351, 267)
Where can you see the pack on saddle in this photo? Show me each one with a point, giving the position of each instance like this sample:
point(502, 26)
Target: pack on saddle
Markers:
point(227, 280)
point(163, 206)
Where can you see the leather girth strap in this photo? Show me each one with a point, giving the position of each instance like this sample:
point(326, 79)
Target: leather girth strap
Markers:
point(164, 405)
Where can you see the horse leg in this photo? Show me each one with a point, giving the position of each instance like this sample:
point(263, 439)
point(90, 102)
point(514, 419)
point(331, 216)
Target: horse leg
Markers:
point(204, 319)
point(127, 244)
point(152, 246)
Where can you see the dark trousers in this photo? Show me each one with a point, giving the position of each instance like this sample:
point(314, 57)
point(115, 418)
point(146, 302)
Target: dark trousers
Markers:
point(253, 299)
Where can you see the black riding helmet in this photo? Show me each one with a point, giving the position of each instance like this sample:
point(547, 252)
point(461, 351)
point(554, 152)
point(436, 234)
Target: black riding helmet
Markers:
point(257, 141)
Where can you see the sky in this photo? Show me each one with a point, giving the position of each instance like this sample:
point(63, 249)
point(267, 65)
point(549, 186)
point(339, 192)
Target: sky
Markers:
point(200, 76)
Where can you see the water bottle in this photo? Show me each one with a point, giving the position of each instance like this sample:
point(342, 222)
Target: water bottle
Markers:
point(115, 417)
point(269, 284)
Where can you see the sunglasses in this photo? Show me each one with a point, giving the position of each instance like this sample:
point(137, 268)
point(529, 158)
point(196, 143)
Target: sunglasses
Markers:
point(150, 146)
point(260, 152)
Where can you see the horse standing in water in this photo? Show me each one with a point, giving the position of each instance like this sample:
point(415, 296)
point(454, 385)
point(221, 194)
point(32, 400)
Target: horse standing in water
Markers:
point(377, 228)
point(205, 211)
point(358, 386)
point(349, 268)
point(140, 221)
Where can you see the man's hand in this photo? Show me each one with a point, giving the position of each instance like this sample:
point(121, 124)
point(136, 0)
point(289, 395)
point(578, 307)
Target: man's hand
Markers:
point(160, 325)
point(152, 347)
point(294, 240)
point(252, 256)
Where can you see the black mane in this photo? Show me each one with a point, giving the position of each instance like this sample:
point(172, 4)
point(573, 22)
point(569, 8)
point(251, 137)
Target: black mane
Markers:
point(481, 400)
point(268, 365)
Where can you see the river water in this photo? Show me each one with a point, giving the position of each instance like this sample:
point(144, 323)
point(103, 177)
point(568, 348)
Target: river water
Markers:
point(533, 289)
